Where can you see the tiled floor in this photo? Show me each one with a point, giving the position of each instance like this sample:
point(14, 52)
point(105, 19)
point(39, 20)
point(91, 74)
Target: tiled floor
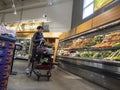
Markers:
point(60, 80)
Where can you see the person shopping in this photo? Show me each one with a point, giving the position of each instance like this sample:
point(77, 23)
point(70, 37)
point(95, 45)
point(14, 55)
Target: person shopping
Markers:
point(36, 39)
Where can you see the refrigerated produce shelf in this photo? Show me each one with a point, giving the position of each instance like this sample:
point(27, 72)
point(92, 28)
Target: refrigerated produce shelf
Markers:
point(102, 72)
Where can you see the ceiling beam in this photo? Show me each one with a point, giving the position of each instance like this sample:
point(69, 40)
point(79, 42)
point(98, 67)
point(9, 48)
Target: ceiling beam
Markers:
point(35, 5)
point(23, 7)
point(4, 3)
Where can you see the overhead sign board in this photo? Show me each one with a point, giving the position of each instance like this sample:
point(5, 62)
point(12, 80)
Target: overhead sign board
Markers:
point(101, 3)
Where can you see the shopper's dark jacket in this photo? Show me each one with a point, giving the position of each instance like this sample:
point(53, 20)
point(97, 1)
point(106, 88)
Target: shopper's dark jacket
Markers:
point(37, 37)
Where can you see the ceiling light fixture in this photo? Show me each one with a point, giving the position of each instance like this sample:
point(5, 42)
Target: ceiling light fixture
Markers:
point(14, 7)
point(50, 2)
point(45, 18)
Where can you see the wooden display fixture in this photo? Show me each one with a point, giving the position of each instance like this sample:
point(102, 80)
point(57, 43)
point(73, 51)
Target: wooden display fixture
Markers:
point(51, 38)
point(106, 17)
point(63, 35)
point(29, 34)
point(84, 27)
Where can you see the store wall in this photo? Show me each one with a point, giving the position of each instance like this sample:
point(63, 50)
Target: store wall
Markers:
point(59, 16)
point(77, 12)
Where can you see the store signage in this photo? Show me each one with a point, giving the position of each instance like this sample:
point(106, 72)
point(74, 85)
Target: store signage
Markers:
point(24, 26)
point(101, 3)
point(30, 25)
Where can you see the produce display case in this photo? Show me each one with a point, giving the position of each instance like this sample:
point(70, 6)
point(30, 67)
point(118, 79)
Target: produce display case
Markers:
point(7, 45)
point(24, 52)
point(93, 55)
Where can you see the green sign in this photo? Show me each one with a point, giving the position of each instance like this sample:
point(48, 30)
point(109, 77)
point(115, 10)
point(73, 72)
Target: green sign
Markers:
point(101, 3)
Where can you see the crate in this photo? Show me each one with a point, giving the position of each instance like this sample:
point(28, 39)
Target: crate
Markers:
point(3, 88)
point(4, 75)
point(4, 44)
point(5, 60)
point(4, 68)
point(3, 82)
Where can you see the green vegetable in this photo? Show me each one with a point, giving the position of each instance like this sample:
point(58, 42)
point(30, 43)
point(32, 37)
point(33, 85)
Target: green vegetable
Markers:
point(116, 45)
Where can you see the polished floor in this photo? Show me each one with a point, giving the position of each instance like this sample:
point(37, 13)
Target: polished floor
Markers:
point(60, 80)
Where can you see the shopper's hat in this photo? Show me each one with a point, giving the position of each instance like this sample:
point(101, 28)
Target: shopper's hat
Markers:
point(40, 27)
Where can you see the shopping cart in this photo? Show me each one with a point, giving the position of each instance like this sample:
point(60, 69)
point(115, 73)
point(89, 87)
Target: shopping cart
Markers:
point(42, 62)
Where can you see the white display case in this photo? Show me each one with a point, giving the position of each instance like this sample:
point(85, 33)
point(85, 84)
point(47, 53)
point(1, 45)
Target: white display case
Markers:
point(24, 52)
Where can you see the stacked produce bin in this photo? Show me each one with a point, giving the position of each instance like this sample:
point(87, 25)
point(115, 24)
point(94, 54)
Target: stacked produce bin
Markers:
point(7, 45)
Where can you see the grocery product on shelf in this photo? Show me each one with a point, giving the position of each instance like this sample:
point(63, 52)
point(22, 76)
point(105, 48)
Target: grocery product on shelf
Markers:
point(7, 32)
point(116, 44)
point(104, 47)
point(110, 40)
point(114, 56)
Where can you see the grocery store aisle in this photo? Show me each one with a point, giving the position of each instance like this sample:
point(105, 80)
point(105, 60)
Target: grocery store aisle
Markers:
point(60, 80)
